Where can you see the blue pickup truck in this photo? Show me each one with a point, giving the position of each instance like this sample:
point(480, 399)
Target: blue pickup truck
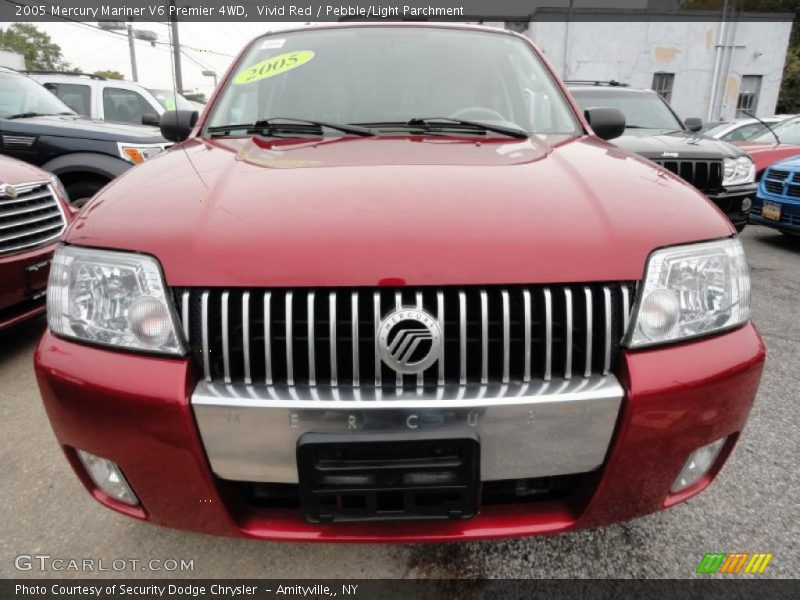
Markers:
point(777, 203)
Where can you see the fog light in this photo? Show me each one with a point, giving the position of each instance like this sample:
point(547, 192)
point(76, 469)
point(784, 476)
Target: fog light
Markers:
point(700, 461)
point(106, 475)
point(747, 204)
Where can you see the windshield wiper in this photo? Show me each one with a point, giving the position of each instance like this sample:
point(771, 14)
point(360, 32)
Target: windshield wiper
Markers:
point(28, 115)
point(274, 124)
point(429, 123)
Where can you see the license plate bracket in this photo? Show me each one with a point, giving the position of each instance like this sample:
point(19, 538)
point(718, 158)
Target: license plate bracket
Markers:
point(368, 477)
point(36, 275)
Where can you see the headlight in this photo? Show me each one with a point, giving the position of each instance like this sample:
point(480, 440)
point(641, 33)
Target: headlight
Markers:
point(736, 171)
point(138, 153)
point(691, 291)
point(111, 298)
point(59, 188)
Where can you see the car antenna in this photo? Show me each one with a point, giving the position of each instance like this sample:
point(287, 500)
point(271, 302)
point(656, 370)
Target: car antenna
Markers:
point(775, 135)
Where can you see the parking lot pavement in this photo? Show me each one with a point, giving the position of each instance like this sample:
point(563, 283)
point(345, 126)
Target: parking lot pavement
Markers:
point(752, 507)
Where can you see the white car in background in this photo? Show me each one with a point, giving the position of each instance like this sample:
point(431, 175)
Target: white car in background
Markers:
point(111, 99)
point(744, 129)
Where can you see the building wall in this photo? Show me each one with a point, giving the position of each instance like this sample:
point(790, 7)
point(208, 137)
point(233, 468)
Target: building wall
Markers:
point(632, 52)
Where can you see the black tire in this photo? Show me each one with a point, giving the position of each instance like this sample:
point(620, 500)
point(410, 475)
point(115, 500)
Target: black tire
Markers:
point(81, 190)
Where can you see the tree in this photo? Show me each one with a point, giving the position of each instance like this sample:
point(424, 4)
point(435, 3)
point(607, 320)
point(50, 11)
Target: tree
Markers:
point(110, 74)
point(40, 52)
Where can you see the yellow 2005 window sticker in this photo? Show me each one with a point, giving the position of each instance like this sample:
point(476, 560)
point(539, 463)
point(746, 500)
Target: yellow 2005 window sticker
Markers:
point(273, 66)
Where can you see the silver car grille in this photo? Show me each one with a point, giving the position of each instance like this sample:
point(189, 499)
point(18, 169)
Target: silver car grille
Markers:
point(30, 218)
point(327, 337)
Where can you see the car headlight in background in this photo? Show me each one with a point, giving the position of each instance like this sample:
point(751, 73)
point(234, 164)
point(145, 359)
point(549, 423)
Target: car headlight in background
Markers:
point(689, 291)
point(111, 298)
point(138, 153)
point(737, 171)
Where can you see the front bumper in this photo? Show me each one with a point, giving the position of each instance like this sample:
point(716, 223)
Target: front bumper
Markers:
point(23, 283)
point(137, 411)
point(730, 201)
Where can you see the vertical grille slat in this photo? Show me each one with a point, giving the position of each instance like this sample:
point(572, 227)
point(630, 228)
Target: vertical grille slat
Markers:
point(246, 337)
point(484, 337)
point(355, 340)
point(268, 338)
point(705, 175)
point(289, 340)
point(490, 335)
point(332, 318)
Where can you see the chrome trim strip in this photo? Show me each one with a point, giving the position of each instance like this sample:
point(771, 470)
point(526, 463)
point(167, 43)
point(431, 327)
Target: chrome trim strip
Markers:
point(462, 325)
point(484, 337)
point(506, 335)
point(355, 340)
point(268, 337)
point(376, 313)
point(226, 357)
point(332, 337)
point(19, 200)
point(607, 315)
point(626, 309)
point(589, 331)
point(246, 336)
point(548, 334)
point(289, 340)
point(37, 219)
point(185, 315)
point(526, 303)
point(440, 317)
point(250, 433)
point(204, 341)
point(312, 359)
point(568, 327)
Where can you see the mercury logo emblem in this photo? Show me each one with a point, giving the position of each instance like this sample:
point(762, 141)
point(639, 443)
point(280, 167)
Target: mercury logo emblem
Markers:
point(409, 340)
point(9, 191)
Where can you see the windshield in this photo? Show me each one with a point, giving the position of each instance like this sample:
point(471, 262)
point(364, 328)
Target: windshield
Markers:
point(171, 101)
point(21, 95)
point(392, 75)
point(642, 110)
point(788, 132)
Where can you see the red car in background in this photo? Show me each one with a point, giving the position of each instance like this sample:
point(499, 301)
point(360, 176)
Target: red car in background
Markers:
point(771, 146)
point(33, 215)
point(395, 286)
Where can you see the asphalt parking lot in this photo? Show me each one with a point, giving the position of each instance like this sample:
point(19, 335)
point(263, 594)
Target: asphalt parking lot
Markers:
point(752, 507)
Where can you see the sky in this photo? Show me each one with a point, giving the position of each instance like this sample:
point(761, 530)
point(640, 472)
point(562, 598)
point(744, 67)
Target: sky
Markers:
point(90, 49)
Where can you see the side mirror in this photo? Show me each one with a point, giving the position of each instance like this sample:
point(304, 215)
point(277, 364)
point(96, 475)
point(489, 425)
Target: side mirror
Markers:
point(607, 123)
point(176, 125)
point(151, 119)
point(693, 124)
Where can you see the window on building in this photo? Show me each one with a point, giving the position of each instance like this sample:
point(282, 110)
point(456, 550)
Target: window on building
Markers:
point(662, 83)
point(125, 106)
point(748, 95)
point(76, 96)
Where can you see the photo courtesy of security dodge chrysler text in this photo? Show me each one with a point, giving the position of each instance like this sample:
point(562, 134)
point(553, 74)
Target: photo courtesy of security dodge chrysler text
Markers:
point(394, 285)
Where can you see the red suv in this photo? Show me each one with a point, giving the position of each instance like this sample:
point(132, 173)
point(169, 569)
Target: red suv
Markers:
point(33, 214)
point(393, 286)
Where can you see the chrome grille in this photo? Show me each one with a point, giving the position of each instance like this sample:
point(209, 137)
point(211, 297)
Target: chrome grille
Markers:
point(326, 336)
point(31, 218)
point(705, 175)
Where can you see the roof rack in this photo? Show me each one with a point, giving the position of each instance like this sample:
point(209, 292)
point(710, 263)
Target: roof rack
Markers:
point(76, 73)
point(610, 83)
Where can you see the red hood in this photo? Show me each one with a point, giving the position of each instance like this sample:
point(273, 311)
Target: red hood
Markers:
point(766, 154)
point(15, 171)
point(366, 211)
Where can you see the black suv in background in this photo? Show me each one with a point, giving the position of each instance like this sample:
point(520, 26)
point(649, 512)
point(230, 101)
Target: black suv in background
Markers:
point(723, 172)
point(38, 128)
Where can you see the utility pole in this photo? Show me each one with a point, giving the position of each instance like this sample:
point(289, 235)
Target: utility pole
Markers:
point(176, 52)
point(132, 48)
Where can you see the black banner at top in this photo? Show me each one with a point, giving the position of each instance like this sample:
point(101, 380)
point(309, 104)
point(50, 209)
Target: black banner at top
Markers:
point(394, 10)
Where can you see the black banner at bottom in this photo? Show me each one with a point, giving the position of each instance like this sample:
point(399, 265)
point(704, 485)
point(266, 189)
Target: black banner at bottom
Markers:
point(401, 589)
